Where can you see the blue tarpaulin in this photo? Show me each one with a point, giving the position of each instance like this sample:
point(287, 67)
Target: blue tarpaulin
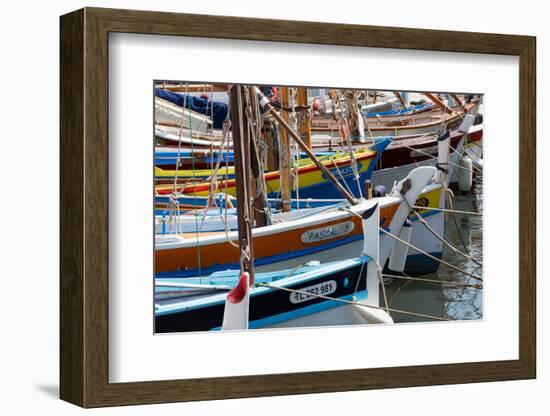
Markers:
point(201, 105)
point(400, 111)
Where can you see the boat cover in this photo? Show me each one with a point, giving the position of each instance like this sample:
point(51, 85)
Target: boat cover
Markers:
point(198, 104)
point(400, 111)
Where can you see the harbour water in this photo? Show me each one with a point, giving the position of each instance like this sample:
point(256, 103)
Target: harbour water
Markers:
point(440, 300)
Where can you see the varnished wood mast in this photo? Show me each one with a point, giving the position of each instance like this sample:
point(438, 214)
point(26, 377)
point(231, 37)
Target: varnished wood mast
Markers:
point(241, 145)
point(285, 151)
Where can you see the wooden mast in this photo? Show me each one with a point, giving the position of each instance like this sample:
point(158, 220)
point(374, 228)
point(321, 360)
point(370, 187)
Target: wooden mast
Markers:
point(458, 101)
point(439, 103)
point(264, 103)
point(285, 153)
point(304, 126)
point(400, 98)
point(241, 149)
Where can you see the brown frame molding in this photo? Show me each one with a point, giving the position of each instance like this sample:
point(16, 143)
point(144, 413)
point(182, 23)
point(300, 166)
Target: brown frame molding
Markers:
point(84, 207)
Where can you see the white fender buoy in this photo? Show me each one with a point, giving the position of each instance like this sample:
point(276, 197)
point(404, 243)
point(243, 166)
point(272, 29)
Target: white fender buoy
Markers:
point(235, 314)
point(465, 174)
point(398, 256)
point(371, 315)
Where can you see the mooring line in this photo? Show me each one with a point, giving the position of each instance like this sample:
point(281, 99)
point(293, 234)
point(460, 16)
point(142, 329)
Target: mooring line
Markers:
point(350, 302)
point(461, 156)
point(435, 157)
point(458, 269)
point(454, 211)
point(440, 238)
point(422, 279)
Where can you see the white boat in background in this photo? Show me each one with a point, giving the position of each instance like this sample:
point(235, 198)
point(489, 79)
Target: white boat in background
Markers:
point(304, 296)
point(169, 114)
point(326, 236)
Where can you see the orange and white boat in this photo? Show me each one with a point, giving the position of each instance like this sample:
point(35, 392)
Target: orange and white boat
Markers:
point(326, 236)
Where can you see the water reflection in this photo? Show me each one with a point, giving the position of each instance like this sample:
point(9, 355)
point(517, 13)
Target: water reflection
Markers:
point(465, 232)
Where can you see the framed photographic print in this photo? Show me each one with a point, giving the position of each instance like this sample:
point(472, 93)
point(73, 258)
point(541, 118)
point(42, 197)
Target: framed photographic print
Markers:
point(258, 207)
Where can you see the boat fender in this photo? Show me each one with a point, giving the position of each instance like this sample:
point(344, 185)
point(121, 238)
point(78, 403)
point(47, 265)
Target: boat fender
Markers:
point(465, 174)
point(398, 256)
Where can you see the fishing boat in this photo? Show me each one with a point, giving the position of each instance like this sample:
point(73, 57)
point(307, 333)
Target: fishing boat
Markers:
point(328, 235)
point(400, 111)
point(404, 154)
point(399, 157)
point(169, 114)
point(186, 139)
point(222, 214)
point(224, 171)
point(326, 130)
point(183, 307)
point(169, 157)
point(188, 215)
point(308, 295)
point(351, 172)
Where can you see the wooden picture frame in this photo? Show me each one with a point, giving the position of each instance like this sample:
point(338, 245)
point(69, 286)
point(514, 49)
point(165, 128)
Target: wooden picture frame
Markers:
point(84, 207)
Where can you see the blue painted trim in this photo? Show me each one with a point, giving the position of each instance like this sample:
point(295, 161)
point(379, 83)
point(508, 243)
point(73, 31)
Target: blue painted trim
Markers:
point(299, 313)
point(262, 260)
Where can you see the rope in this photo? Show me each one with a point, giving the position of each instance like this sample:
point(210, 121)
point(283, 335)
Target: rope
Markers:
point(435, 157)
point(350, 302)
point(224, 219)
point(461, 156)
point(430, 256)
point(342, 176)
point(431, 230)
point(195, 181)
point(295, 151)
point(396, 293)
point(371, 136)
point(448, 210)
point(450, 199)
point(457, 166)
point(421, 279)
point(254, 129)
point(214, 180)
point(381, 280)
point(353, 163)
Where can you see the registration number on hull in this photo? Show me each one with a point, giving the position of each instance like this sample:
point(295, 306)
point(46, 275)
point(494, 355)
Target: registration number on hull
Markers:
point(311, 292)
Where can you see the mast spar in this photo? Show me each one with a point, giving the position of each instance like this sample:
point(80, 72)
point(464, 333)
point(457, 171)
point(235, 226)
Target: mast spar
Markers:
point(264, 103)
point(241, 148)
